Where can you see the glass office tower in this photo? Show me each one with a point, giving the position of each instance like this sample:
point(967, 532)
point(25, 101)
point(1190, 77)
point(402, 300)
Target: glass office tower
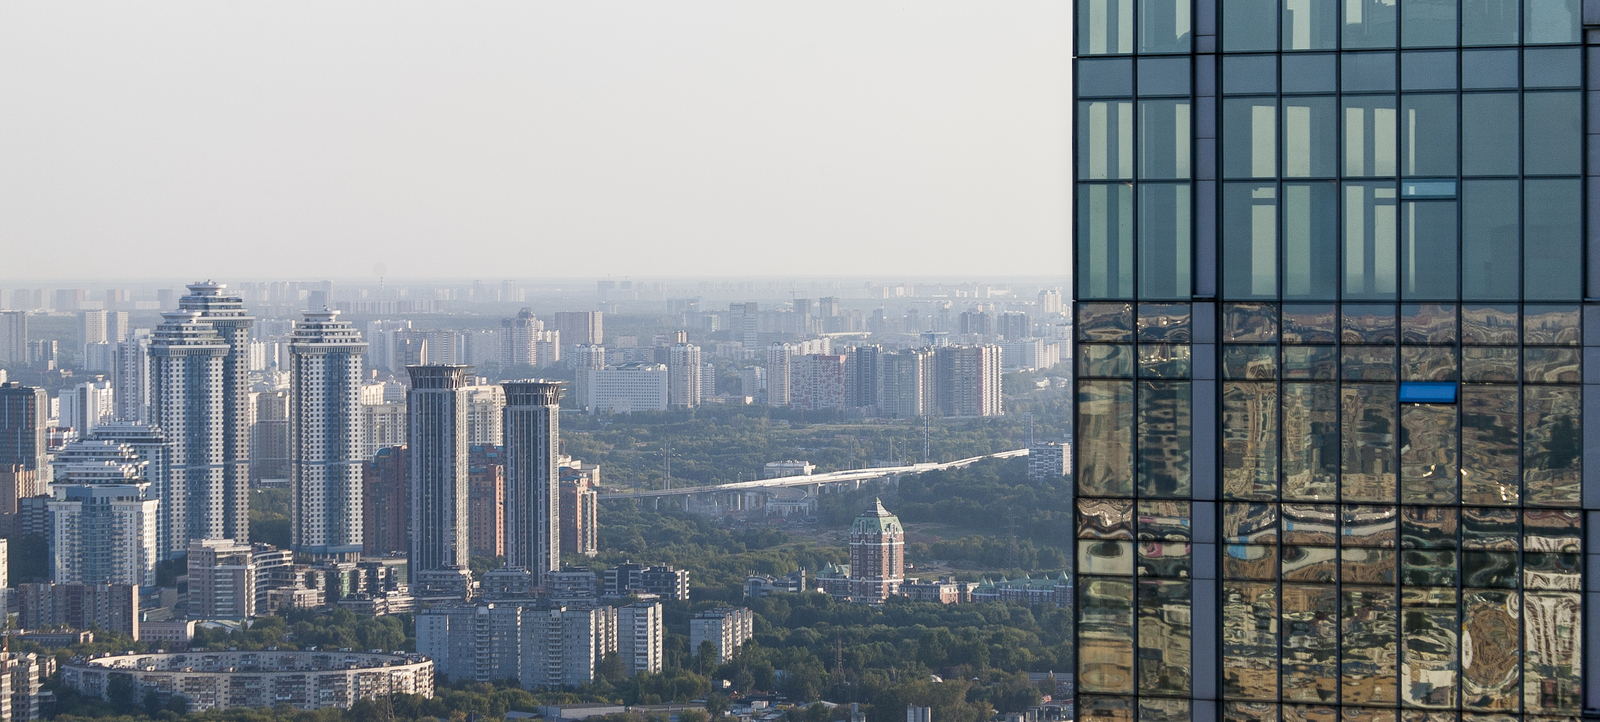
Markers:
point(1332, 428)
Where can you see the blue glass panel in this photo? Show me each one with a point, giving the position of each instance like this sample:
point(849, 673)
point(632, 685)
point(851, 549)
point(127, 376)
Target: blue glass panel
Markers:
point(1427, 392)
point(1103, 77)
point(1427, 189)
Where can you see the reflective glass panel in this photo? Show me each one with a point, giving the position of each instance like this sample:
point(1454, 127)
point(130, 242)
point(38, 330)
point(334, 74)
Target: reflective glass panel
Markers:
point(1249, 440)
point(1163, 361)
point(1369, 323)
point(1165, 429)
point(1249, 523)
point(1370, 242)
point(1105, 139)
point(1250, 240)
point(1552, 366)
point(1428, 129)
point(1428, 323)
point(1368, 654)
point(1428, 363)
point(1429, 527)
point(1490, 529)
point(1490, 657)
point(1488, 325)
point(1310, 564)
point(1250, 640)
point(1107, 519)
point(1310, 642)
point(1105, 360)
point(1553, 239)
point(1105, 557)
point(1164, 133)
point(1309, 24)
point(1490, 431)
point(1164, 636)
point(1105, 27)
point(1105, 240)
point(1551, 21)
point(1490, 22)
point(1164, 26)
point(1428, 23)
point(1105, 431)
point(1164, 240)
point(1368, 442)
point(1250, 323)
point(1490, 243)
point(1551, 129)
point(1250, 137)
point(1367, 566)
point(1164, 322)
point(1310, 323)
point(1249, 25)
point(1429, 466)
point(1428, 250)
point(1430, 634)
point(1250, 561)
point(1105, 322)
point(1553, 625)
point(1369, 24)
point(1367, 363)
point(1311, 524)
point(1310, 245)
point(1490, 123)
point(1249, 363)
point(1105, 635)
point(1310, 137)
point(1554, 325)
point(1311, 454)
point(1552, 445)
point(1370, 147)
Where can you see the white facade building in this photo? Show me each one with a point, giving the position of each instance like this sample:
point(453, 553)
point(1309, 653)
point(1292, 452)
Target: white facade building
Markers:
point(186, 390)
point(627, 388)
point(639, 637)
point(325, 439)
point(485, 406)
point(726, 628)
point(683, 369)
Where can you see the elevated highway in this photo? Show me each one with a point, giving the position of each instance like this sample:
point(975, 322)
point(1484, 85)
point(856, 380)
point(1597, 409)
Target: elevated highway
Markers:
point(851, 476)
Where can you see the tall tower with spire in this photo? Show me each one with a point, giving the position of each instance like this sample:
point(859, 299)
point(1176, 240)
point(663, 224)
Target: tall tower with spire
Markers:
point(877, 555)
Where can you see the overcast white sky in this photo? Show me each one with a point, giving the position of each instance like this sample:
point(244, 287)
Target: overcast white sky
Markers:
point(528, 139)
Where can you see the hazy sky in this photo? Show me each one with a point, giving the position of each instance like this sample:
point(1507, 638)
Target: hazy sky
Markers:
point(529, 139)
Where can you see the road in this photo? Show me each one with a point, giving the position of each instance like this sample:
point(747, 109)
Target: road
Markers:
point(832, 477)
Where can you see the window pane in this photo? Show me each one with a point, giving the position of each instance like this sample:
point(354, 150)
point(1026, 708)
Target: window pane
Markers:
point(1369, 240)
point(1164, 635)
point(1428, 70)
point(1489, 240)
point(1490, 431)
point(1554, 624)
point(1310, 363)
point(1249, 138)
point(1558, 325)
point(1310, 242)
point(1249, 440)
point(1490, 650)
point(1249, 74)
point(1369, 136)
point(1105, 322)
point(1105, 240)
point(1105, 428)
point(1250, 323)
point(1163, 76)
point(1552, 133)
point(1489, 133)
point(1489, 22)
point(1249, 363)
point(1552, 240)
point(1105, 360)
point(1428, 251)
point(1428, 23)
point(1105, 140)
point(1428, 127)
point(1369, 24)
point(1489, 325)
point(1164, 241)
point(1309, 323)
point(1164, 432)
point(1428, 465)
point(1103, 77)
point(1310, 137)
point(1489, 365)
point(1250, 241)
point(1552, 67)
point(1105, 635)
point(1368, 443)
point(1367, 72)
point(1310, 642)
point(1164, 322)
point(1250, 640)
point(1367, 363)
point(1368, 323)
point(1311, 442)
point(1430, 634)
point(1551, 21)
point(1489, 69)
point(1309, 24)
point(1552, 366)
point(1164, 26)
point(1310, 73)
point(1249, 25)
point(1164, 132)
point(1552, 445)
point(1428, 323)
point(1428, 363)
point(1105, 27)
point(1369, 653)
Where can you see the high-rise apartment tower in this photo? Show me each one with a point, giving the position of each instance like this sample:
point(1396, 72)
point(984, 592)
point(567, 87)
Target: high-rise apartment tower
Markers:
point(325, 439)
point(436, 421)
point(533, 441)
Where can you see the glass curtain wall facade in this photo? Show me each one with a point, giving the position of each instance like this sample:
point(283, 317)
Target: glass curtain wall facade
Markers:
point(1331, 271)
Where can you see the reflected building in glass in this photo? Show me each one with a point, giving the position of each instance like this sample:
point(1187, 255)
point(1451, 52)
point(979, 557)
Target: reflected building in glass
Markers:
point(1331, 265)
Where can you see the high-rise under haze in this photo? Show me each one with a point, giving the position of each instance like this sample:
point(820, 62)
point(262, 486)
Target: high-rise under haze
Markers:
point(532, 443)
point(325, 440)
point(436, 421)
point(186, 390)
point(227, 316)
point(1330, 283)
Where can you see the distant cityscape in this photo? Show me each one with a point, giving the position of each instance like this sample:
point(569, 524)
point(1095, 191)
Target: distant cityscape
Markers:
point(418, 428)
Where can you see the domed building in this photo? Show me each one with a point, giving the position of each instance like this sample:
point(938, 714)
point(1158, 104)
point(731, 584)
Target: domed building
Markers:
point(877, 555)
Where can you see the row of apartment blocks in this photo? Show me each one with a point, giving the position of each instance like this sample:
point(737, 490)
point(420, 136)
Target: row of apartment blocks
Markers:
point(539, 644)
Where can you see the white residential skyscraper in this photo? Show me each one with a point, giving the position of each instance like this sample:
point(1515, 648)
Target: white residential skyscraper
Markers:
point(532, 443)
point(226, 314)
point(102, 522)
point(683, 375)
point(325, 440)
point(186, 390)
